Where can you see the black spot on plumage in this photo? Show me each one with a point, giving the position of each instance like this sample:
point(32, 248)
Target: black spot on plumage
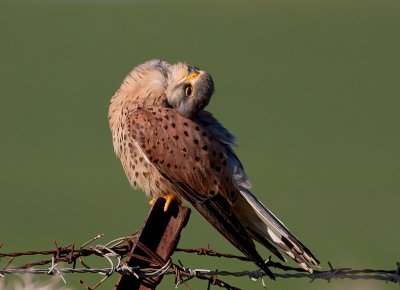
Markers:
point(186, 133)
point(173, 125)
point(176, 137)
point(197, 158)
point(166, 117)
point(195, 141)
point(205, 148)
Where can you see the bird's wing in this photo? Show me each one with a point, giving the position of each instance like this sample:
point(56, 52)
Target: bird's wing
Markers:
point(195, 162)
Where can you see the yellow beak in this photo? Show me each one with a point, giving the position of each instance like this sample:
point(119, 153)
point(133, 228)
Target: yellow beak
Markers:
point(193, 75)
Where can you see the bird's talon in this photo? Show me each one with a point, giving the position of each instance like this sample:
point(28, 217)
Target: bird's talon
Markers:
point(169, 198)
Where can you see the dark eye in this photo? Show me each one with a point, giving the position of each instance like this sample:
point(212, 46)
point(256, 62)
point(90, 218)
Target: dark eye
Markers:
point(189, 91)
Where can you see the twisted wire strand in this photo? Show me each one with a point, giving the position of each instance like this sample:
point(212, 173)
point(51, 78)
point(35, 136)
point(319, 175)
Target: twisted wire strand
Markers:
point(115, 250)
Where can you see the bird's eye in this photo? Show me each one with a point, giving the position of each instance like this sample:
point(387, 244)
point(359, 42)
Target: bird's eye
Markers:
point(189, 91)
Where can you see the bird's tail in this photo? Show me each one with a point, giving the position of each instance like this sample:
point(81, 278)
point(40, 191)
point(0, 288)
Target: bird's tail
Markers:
point(265, 228)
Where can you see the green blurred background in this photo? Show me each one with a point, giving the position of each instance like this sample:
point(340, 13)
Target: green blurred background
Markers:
point(311, 89)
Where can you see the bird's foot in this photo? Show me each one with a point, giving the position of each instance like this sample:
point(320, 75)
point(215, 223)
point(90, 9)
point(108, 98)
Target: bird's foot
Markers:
point(169, 198)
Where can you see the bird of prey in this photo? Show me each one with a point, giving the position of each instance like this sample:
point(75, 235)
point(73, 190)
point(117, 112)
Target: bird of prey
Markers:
point(169, 146)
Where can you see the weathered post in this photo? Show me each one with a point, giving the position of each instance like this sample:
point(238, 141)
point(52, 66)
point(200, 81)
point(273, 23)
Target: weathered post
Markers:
point(160, 235)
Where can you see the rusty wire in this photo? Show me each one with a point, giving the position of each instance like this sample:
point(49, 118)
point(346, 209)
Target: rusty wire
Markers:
point(116, 250)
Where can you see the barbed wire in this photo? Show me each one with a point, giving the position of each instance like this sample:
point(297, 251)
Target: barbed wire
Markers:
point(116, 250)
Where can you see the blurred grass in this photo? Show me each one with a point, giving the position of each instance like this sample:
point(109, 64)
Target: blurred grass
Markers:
point(311, 89)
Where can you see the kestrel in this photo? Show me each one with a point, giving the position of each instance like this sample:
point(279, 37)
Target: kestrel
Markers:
point(170, 147)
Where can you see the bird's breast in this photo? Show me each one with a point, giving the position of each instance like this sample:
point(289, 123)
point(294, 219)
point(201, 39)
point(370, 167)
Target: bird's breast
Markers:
point(140, 172)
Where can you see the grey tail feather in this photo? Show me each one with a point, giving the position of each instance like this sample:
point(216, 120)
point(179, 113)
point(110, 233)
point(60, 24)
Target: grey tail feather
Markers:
point(275, 231)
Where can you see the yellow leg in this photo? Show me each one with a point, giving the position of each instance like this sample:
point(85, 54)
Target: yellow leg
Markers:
point(169, 198)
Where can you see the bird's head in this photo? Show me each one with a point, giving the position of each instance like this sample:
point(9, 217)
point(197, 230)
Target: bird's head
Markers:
point(158, 83)
point(189, 89)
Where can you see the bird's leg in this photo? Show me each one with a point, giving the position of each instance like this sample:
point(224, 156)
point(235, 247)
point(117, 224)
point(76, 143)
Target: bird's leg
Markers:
point(169, 198)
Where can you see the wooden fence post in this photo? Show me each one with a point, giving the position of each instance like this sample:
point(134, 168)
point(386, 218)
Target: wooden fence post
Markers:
point(160, 234)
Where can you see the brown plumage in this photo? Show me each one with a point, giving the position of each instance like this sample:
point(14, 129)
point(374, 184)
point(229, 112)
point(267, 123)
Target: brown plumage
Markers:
point(168, 144)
